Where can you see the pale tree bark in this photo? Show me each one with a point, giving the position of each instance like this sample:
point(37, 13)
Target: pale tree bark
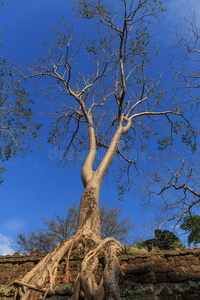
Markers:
point(89, 217)
point(127, 56)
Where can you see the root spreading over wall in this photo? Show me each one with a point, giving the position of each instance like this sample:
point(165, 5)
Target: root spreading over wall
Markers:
point(40, 282)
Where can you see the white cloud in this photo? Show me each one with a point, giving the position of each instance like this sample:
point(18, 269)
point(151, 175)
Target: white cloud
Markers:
point(5, 247)
point(15, 225)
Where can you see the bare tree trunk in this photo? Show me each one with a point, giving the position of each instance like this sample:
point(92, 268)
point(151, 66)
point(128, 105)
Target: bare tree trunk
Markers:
point(89, 216)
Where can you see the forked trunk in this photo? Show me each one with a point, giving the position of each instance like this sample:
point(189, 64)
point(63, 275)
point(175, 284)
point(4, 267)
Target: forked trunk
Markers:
point(89, 216)
point(42, 278)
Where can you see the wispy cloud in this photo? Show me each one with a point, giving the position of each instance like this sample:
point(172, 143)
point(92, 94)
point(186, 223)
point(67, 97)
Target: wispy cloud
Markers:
point(14, 225)
point(5, 245)
point(173, 20)
point(182, 8)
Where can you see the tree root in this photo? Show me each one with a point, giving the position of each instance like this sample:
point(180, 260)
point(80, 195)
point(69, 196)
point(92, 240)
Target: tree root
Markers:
point(40, 281)
point(67, 265)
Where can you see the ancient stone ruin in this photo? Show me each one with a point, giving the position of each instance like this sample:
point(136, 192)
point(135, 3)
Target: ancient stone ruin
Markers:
point(150, 272)
point(164, 240)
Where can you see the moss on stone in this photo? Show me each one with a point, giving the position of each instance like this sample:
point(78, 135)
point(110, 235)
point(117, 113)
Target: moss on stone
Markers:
point(159, 289)
point(132, 292)
point(64, 289)
point(135, 250)
point(194, 285)
point(6, 291)
point(148, 288)
point(156, 291)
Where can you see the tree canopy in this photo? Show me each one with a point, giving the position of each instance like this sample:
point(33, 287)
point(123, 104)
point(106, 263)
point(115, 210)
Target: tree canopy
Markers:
point(121, 85)
point(17, 127)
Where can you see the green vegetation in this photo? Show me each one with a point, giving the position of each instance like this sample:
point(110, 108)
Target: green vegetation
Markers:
point(191, 224)
point(17, 127)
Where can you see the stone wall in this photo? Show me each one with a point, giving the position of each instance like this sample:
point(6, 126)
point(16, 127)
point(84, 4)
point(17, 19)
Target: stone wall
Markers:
point(155, 275)
point(166, 275)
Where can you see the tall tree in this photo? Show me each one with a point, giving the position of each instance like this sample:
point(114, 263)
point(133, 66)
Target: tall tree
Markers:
point(60, 228)
point(114, 98)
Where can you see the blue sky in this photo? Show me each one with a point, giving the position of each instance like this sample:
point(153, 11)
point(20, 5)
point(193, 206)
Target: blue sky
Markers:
point(33, 185)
